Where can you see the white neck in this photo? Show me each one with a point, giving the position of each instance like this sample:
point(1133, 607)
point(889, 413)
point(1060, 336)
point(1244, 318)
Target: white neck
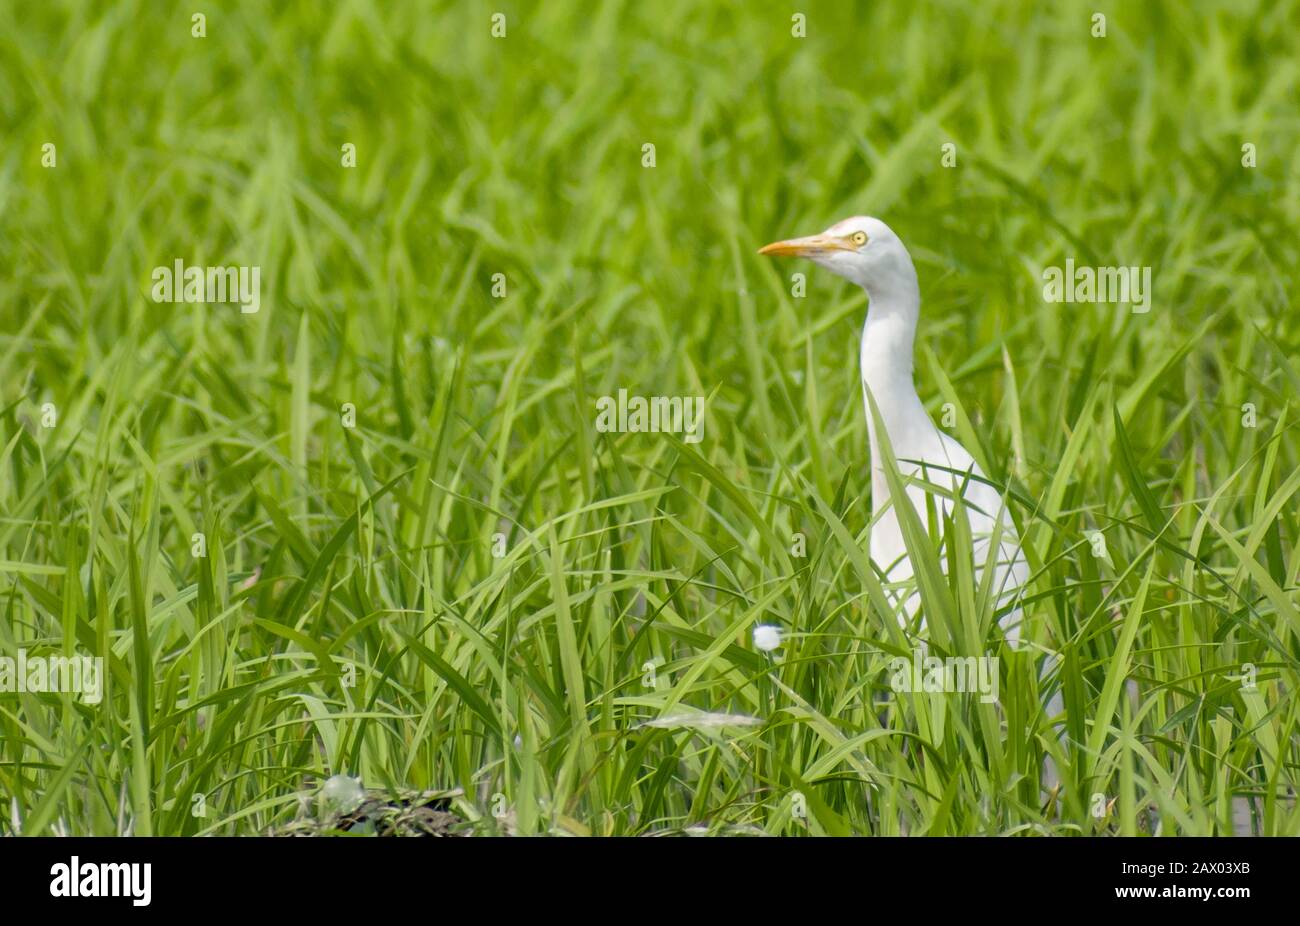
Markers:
point(886, 362)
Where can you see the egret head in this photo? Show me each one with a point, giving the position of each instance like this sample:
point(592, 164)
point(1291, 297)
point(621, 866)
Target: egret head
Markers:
point(861, 249)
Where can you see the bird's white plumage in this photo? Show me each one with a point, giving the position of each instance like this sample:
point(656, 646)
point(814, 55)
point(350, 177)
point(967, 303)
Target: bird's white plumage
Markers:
point(867, 252)
point(990, 523)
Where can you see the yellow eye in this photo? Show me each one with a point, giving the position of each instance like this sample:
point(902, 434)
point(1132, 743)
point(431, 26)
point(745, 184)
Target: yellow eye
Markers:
point(858, 238)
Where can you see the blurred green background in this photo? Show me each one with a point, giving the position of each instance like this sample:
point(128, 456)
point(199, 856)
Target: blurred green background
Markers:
point(350, 616)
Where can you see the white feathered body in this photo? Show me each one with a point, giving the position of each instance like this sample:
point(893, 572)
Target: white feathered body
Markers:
point(993, 533)
point(886, 363)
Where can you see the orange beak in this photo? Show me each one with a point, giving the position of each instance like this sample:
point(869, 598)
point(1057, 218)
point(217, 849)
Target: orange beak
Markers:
point(806, 247)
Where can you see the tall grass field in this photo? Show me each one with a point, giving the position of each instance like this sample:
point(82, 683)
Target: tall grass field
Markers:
point(364, 535)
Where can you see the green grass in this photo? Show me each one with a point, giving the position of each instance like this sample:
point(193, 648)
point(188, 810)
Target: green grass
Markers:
point(521, 679)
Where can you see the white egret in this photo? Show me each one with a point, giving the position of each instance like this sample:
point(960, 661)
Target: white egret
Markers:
point(865, 251)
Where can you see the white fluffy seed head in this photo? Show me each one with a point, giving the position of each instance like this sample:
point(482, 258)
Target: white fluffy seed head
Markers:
point(767, 637)
point(342, 794)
